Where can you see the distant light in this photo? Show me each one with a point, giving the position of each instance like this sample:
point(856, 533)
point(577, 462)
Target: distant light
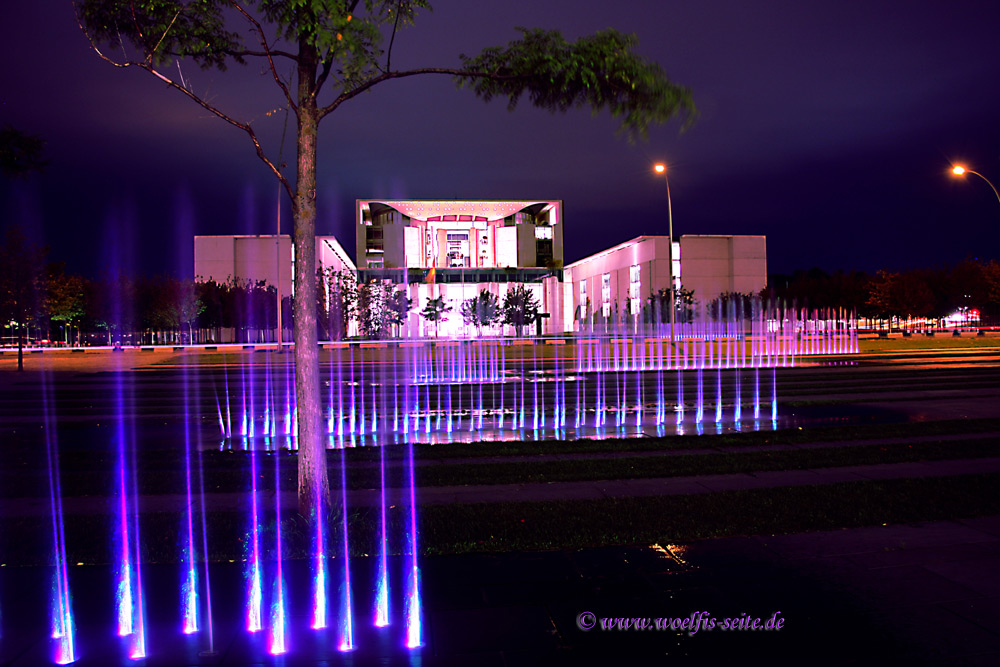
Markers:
point(659, 168)
point(958, 170)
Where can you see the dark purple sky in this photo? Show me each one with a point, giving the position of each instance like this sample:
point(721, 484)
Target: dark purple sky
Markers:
point(826, 126)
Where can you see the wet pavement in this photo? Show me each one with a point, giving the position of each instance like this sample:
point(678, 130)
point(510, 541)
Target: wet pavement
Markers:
point(914, 594)
point(908, 594)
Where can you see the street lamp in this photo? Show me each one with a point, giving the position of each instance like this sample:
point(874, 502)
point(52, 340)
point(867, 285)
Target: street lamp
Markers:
point(661, 168)
point(959, 170)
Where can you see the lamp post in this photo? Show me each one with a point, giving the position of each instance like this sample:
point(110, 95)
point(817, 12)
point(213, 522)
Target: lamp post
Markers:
point(278, 267)
point(959, 170)
point(661, 168)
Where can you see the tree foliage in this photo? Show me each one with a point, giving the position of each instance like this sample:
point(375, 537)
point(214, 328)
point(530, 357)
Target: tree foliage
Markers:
point(22, 283)
point(375, 309)
point(600, 71)
point(399, 308)
point(339, 297)
point(436, 311)
point(482, 310)
point(732, 305)
point(685, 305)
point(67, 298)
point(338, 45)
point(520, 308)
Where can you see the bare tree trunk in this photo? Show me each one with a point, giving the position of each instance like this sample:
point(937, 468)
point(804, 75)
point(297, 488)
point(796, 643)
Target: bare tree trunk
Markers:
point(313, 486)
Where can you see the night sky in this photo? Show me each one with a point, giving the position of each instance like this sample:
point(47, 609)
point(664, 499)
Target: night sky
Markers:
point(829, 127)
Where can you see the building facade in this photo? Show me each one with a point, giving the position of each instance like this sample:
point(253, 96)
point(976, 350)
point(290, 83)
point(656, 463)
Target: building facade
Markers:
point(712, 265)
point(455, 249)
point(267, 258)
point(459, 234)
point(618, 282)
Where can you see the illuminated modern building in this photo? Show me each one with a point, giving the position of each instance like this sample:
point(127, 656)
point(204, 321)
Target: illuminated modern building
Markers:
point(455, 249)
point(619, 280)
point(452, 235)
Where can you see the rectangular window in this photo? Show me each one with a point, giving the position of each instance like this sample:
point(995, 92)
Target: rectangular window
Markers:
point(543, 232)
point(675, 263)
point(606, 294)
point(634, 275)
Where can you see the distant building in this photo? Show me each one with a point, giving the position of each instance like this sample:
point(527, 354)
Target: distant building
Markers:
point(712, 265)
point(459, 234)
point(455, 249)
point(266, 258)
point(620, 280)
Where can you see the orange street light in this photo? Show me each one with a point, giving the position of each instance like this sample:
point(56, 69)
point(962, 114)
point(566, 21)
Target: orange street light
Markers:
point(661, 168)
point(959, 170)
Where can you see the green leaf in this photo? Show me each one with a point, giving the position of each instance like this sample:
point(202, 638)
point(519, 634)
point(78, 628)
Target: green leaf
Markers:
point(601, 71)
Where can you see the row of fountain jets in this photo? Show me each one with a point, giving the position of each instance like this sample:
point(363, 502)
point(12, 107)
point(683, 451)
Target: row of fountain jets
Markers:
point(604, 382)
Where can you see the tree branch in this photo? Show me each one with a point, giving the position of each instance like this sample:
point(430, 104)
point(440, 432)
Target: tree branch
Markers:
point(325, 72)
point(395, 25)
point(386, 76)
point(243, 53)
point(246, 127)
point(270, 60)
point(149, 56)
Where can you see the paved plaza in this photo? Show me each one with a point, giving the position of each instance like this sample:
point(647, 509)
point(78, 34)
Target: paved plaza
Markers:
point(923, 593)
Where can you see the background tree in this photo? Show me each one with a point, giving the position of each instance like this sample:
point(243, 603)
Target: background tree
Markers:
point(21, 262)
point(67, 299)
point(436, 311)
point(209, 295)
point(399, 309)
point(337, 44)
point(520, 308)
point(991, 276)
point(341, 293)
point(22, 284)
point(482, 310)
point(375, 309)
point(901, 295)
point(684, 302)
point(731, 304)
point(189, 307)
point(816, 289)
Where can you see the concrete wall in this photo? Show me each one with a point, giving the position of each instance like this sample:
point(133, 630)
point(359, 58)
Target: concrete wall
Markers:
point(749, 263)
point(526, 245)
point(507, 238)
point(214, 257)
point(257, 258)
point(394, 244)
point(650, 253)
point(713, 265)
